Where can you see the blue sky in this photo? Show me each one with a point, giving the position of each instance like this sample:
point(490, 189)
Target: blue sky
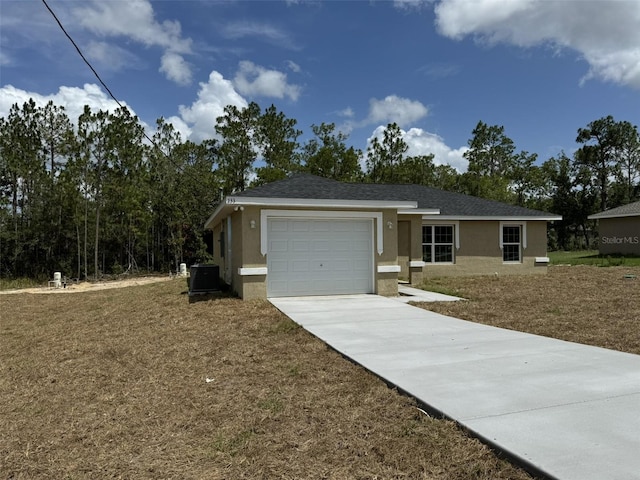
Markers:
point(540, 68)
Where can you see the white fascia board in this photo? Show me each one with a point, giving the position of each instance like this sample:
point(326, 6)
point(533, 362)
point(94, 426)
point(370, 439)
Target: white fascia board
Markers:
point(423, 211)
point(491, 218)
point(319, 203)
point(598, 216)
point(211, 221)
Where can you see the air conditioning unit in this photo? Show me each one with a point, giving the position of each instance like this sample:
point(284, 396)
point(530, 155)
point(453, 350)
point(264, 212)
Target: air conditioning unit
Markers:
point(203, 279)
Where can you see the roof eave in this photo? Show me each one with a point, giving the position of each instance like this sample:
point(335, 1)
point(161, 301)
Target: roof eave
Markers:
point(221, 209)
point(319, 203)
point(233, 203)
point(512, 218)
point(421, 211)
point(598, 216)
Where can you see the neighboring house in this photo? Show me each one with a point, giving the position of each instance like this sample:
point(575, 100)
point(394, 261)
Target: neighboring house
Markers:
point(619, 230)
point(308, 235)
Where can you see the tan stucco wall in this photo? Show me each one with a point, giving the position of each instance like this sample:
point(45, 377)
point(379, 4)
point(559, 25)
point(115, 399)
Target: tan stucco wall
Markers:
point(404, 247)
point(619, 235)
point(217, 256)
point(480, 252)
point(251, 287)
point(410, 239)
point(387, 283)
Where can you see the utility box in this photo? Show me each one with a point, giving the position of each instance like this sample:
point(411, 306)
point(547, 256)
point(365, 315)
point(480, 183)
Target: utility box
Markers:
point(204, 279)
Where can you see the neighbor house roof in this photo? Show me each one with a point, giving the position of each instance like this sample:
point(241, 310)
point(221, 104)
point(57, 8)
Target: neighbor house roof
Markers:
point(311, 190)
point(629, 210)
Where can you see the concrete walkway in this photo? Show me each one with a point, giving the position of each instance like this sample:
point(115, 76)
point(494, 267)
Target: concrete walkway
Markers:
point(565, 410)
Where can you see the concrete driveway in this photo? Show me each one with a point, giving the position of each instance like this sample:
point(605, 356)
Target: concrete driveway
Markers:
point(564, 410)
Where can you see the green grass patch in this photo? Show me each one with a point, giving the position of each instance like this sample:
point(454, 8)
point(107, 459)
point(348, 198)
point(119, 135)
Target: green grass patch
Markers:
point(592, 257)
point(285, 325)
point(16, 283)
point(232, 445)
point(439, 285)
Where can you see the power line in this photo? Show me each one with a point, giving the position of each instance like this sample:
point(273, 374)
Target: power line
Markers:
point(81, 54)
point(123, 107)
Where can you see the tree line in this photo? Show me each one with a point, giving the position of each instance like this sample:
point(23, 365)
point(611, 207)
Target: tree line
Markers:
point(97, 196)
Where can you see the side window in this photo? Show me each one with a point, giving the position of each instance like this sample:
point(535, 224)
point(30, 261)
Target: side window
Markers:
point(437, 243)
point(511, 243)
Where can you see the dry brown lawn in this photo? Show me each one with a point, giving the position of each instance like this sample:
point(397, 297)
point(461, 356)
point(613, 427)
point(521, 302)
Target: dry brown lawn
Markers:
point(585, 304)
point(140, 383)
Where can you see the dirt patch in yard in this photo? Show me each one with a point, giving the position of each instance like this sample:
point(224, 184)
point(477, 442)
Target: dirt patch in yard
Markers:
point(142, 383)
point(585, 304)
point(76, 287)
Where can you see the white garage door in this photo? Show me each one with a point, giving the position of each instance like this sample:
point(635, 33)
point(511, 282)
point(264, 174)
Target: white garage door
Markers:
point(319, 256)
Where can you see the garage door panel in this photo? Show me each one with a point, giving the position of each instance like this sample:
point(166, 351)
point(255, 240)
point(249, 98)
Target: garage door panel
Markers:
point(342, 246)
point(362, 246)
point(300, 246)
point(300, 266)
point(341, 265)
point(321, 226)
point(300, 226)
point(278, 266)
point(342, 227)
point(361, 227)
point(278, 225)
point(321, 245)
point(278, 245)
point(361, 266)
point(319, 257)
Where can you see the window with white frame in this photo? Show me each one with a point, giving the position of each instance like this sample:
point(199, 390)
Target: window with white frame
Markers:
point(511, 243)
point(437, 243)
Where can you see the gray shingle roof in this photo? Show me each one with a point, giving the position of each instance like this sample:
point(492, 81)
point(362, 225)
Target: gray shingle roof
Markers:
point(629, 210)
point(307, 186)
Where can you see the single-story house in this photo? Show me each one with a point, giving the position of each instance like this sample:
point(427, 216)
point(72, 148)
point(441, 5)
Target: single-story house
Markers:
point(308, 235)
point(619, 230)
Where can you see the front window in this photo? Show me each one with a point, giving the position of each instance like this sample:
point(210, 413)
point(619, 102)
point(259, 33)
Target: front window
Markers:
point(511, 243)
point(437, 243)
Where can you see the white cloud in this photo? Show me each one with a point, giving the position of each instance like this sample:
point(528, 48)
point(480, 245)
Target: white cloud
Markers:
point(213, 96)
point(176, 68)
point(195, 122)
point(395, 109)
point(254, 80)
point(73, 99)
point(421, 142)
point(5, 59)
point(605, 33)
point(135, 19)
point(293, 66)
point(410, 4)
point(270, 33)
point(347, 112)
point(110, 56)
